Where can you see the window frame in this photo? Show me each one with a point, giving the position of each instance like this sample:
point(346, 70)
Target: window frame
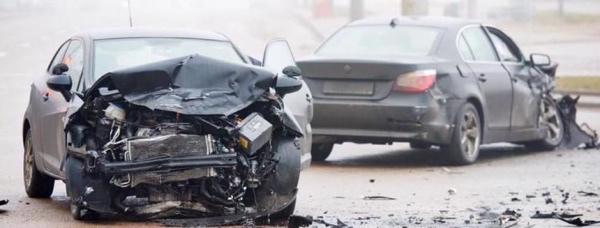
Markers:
point(66, 45)
point(83, 67)
point(510, 44)
point(487, 35)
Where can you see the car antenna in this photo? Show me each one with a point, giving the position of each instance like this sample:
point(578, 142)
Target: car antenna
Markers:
point(393, 22)
point(129, 8)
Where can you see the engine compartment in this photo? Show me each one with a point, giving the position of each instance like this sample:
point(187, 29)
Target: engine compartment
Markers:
point(158, 163)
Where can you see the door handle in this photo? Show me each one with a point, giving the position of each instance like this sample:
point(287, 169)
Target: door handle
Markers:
point(482, 78)
point(45, 97)
point(514, 79)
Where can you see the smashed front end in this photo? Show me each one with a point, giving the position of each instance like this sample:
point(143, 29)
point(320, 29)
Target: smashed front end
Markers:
point(190, 137)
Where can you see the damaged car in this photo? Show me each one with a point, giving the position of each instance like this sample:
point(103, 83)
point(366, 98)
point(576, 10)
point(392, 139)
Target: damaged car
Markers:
point(430, 81)
point(155, 123)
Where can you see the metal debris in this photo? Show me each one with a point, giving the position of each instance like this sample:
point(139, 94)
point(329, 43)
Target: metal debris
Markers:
point(583, 193)
point(552, 215)
point(578, 221)
point(378, 198)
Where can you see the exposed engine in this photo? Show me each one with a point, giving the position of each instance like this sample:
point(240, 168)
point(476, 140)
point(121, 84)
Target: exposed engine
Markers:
point(161, 163)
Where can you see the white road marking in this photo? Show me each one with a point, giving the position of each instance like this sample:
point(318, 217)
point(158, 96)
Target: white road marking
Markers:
point(2, 54)
point(26, 45)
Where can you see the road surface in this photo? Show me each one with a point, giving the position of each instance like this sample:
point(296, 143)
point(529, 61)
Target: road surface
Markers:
point(423, 189)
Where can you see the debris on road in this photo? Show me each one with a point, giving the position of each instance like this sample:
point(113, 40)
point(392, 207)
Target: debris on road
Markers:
point(565, 197)
point(529, 196)
point(3, 202)
point(452, 191)
point(578, 221)
point(515, 199)
point(583, 193)
point(378, 198)
point(539, 215)
point(304, 221)
point(549, 201)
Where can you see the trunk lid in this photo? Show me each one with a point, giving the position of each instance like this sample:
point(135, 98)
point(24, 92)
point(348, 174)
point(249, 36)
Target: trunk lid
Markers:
point(358, 78)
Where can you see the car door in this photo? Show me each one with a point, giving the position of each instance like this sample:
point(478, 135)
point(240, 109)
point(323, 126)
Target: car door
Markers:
point(525, 100)
point(494, 81)
point(55, 108)
point(277, 56)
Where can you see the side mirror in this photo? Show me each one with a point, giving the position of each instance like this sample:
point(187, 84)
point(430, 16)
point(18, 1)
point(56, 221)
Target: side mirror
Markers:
point(292, 71)
point(539, 59)
point(61, 83)
point(59, 69)
point(285, 85)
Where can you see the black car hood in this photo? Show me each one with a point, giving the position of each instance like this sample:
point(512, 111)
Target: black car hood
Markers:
point(191, 85)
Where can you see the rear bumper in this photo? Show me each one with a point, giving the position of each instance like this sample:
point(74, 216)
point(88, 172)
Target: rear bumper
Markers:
point(398, 118)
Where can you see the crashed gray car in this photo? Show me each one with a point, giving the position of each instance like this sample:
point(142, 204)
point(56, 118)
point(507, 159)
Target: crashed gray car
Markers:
point(430, 81)
point(157, 123)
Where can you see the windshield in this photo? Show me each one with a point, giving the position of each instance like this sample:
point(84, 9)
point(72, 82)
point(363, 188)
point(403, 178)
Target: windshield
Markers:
point(381, 40)
point(114, 54)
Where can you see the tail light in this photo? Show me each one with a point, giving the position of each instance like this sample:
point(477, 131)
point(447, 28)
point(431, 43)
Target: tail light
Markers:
point(415, 82)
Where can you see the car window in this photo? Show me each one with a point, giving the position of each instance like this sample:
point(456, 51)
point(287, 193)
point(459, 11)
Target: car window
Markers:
point(381, 40)
point(504, 51)
point(74, 59)
point(464, 49)
point(480, 45)
point(58, 56)
point(114, 54)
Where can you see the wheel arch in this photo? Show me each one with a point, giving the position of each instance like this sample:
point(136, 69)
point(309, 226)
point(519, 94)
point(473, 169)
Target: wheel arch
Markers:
point(26, 127)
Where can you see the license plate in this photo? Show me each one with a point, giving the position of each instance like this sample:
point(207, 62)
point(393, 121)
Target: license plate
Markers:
point(348, 88)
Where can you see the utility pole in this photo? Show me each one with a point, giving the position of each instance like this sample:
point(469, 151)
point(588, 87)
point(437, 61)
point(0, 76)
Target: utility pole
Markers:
point(561, 7)
point(472, 9)
point(415, 7)
point(357, 9)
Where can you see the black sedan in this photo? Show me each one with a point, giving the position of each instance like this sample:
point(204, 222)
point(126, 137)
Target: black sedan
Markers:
point(430, 81)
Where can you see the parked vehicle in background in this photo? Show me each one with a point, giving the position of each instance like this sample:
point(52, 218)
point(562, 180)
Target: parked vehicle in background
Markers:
point(430, 81)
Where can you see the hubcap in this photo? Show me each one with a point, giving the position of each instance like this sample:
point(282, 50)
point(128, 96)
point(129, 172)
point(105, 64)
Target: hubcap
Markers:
point(28, 164)
point(550, 118)
point(469, 132)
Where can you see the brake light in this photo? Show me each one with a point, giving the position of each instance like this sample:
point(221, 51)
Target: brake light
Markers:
point(415, 82)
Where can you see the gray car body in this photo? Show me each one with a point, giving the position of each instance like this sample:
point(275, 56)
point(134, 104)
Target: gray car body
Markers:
point(505, 93)
point(47, 111)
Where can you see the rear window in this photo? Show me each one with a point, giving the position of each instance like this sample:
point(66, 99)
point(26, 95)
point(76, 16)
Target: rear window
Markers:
point(381, 40)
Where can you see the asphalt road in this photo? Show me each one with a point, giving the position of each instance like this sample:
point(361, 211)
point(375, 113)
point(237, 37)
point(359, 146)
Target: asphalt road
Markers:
point(423, 189)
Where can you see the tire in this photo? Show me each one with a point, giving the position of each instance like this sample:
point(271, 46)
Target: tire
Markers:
point(37, 184)
point(551, 117)
point(320, 151)
point(466, 137)
point(419, 146)
point(83, 214)
point(286, 212)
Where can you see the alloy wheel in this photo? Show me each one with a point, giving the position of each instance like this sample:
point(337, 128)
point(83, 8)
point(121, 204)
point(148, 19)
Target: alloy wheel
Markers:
point(469, 132)
point(28, 167)
point(549, 117)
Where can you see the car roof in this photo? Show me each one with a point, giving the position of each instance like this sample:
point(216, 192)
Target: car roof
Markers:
point(116, 33)
point(429, 21)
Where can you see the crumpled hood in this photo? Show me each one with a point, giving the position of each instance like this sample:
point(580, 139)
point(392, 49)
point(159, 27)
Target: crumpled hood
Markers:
point(191, 85)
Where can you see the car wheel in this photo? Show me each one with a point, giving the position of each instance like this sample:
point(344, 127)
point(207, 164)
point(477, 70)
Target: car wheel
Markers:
point(466, 137)
point(83, 214)
point(420, 146)
point(320, 151)
point(37, 184)
point(286, 212)
point(549, 116)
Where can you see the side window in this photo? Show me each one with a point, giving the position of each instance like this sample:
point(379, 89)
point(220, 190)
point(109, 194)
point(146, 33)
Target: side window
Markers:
point(58, 56)
point(464, 49)
point(480, 45)
point(74, 59)
point(506, 53)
